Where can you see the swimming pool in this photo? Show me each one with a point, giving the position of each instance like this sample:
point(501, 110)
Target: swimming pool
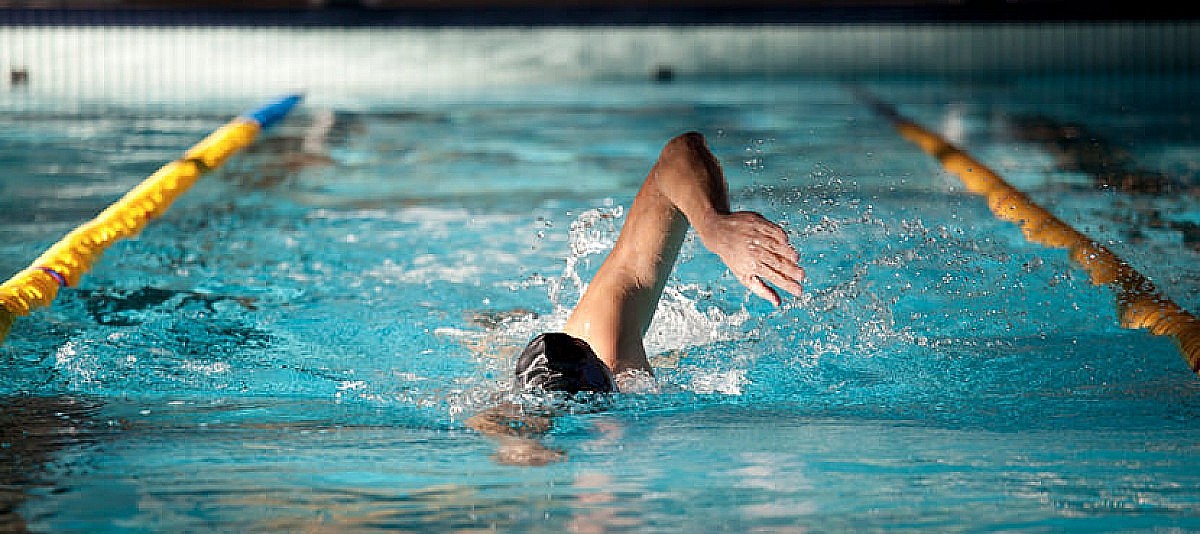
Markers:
point(297, 342)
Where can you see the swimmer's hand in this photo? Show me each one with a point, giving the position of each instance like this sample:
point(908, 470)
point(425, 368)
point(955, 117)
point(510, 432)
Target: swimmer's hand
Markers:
point(527, 452)
point(756, 250)
point(510, 420)
point(517, 431)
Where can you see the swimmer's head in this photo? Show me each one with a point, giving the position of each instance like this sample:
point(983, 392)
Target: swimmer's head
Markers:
point(559, 362)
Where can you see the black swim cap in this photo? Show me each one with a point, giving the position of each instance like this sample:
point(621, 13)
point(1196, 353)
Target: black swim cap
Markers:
point(558, 362)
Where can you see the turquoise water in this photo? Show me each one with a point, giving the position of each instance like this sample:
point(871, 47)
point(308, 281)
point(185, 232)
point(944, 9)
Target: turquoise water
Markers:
point(297, 343)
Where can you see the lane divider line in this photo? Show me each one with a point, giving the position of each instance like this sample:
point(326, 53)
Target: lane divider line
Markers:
point(65, 262)
point(1139, 303)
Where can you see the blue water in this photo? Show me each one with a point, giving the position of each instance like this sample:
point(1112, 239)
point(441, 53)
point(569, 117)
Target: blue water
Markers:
point(297, 343)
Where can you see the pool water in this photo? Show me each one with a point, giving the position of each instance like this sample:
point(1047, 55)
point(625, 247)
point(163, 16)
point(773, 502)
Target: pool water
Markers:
point(297, 343)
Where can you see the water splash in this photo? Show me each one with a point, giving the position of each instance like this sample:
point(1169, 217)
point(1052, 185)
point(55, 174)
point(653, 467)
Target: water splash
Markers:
point(593, 232)
point(682, 321)
point(688, 316)
point(754, 155)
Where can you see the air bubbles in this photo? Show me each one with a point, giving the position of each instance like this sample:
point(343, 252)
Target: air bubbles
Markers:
point(754, 159)
point(1032, 265)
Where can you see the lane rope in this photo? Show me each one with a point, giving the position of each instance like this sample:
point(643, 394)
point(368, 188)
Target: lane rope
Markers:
point(1139, 303)
point(65, 262)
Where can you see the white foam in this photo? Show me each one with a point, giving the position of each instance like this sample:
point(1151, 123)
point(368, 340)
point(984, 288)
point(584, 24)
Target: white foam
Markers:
point(728, 382)
point(428, 268)
point(79, 368)
point(680, 322)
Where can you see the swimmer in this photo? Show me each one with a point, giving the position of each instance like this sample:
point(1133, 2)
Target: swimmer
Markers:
point(601, 344)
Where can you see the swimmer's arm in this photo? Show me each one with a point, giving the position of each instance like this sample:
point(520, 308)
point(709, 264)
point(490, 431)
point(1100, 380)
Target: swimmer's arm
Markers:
point(755, 249)
point(510, 419)
point(517, 431)
point(685, 186)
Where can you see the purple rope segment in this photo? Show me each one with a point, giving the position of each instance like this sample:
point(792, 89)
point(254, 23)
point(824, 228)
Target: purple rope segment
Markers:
point(62, 281)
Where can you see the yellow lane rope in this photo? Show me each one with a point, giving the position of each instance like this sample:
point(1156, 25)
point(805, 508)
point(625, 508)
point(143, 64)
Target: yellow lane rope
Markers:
point(65, 262)
point(1139, 303)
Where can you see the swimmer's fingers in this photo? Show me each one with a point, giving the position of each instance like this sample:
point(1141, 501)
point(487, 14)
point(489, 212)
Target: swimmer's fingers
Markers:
point(786, 275)
point(757, 251)
point(784, 250)
point(769, 243)
point(778, 263)
point(788, 281)
point(773, 238)
point(756, 285)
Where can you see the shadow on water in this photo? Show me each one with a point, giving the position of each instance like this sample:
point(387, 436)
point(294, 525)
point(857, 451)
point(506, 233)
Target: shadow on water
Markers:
point(1111, 166)
point(113, 307)
point(33, 430)
point(1078, 148)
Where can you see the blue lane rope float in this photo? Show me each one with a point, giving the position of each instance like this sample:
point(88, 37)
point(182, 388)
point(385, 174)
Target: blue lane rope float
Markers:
point(1139, 303)
point(65, 262)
